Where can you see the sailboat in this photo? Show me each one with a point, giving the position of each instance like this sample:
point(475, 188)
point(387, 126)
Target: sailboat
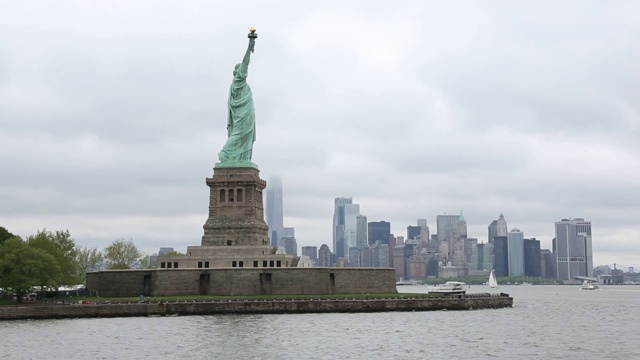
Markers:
point(492, 280)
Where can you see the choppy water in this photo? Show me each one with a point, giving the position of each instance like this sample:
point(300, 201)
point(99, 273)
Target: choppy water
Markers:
point(546, 322)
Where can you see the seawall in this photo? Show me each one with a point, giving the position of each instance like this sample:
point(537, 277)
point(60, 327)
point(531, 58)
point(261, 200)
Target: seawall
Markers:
point(190, 307)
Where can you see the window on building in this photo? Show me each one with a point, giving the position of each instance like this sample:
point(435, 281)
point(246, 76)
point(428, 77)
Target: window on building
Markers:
point(229, 242)
point(264, 263)
point(162, 265)
point(240, 263)
point(206, 264)
point(230, 195)
point(199, 264)
point(270, 263)
point(239, 195)
point(255, 263)
point(278, 263)
point(175, 265)
point(169, 265)
point(234, 263)
point(223, 196)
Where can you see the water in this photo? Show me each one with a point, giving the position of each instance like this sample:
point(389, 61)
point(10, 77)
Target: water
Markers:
point(548, 322)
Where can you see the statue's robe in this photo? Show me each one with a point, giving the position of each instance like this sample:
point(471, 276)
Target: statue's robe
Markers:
point(241, 120)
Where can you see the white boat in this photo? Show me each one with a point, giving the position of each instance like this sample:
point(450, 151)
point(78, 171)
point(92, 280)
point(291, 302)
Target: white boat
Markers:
point(449, 288)
point(493, 283)
point(587, 285)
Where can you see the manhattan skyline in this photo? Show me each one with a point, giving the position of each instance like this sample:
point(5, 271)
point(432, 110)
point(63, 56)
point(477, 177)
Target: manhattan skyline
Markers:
point(112, 115)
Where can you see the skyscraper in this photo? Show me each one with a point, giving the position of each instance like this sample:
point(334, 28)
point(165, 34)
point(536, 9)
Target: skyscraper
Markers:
point(462, 227)
point(274, 210)
point(548, 263)
point(288, 241)
point(573, 248)
point(532, 262)
point(502, 226)
point(339, 241)
point(424, 232)
point(311, 252)
point(361, 231)
point(446, 226)
point(497, 228)
point(501, 256)
point(516, 252)
point(413, 232)
point(379, 231)
point(345, 225)
point(324, 256)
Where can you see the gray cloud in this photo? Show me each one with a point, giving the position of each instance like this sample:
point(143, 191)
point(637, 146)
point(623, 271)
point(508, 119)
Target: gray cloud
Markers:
point(112, 115)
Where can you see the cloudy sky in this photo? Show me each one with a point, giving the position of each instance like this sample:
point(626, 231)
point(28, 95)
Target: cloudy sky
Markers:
point(112, 114)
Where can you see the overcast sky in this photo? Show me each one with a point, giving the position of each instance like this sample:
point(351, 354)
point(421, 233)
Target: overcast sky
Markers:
point(112, 114)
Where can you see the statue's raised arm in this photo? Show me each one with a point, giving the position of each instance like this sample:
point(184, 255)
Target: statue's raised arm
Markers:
point(247, 55)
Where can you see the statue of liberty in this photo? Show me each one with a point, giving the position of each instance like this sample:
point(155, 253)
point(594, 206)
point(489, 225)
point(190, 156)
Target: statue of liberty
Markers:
point(241, 117)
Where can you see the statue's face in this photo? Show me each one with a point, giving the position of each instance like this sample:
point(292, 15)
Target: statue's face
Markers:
point(235, 70)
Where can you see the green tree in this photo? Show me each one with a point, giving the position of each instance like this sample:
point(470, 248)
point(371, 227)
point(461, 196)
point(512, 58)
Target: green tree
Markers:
point(23, 267)
point(64, 250)
point(5, 235)
point(122, 254)
point(88, 260)
point(146, 263)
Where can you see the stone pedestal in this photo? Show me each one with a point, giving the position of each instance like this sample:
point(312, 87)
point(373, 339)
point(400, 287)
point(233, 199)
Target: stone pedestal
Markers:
point(236, 212)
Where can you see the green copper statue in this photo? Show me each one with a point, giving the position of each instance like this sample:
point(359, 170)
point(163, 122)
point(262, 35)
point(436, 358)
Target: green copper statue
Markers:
point(241, 117)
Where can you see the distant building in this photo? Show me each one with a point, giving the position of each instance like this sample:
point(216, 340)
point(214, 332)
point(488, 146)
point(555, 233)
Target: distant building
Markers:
point(288, 232)
point(532, 258)
point(497, 228)
point(481, 257)
point(413, 232)
point(165, 251)
point(324, 256)
point(573, 250)
point(345, 217)
point(361, 231)
point(548, 264)
point(501, 256)
point(401, 256)
point(342, 262)
point(424, 230)
point(311, 252)
point(446, 226)
point(355, 256)
point(516, 252)
point(290, 245)
point(379, 231)
point(274, 209)
point(379, 254)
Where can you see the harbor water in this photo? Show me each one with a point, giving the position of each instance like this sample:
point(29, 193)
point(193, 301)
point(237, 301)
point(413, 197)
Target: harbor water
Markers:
point(546, 322)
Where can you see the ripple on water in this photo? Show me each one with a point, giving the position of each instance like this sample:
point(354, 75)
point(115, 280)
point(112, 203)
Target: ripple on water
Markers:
point(546, 322)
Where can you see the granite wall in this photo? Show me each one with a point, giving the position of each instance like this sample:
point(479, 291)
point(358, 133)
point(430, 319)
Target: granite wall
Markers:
point(241, 281)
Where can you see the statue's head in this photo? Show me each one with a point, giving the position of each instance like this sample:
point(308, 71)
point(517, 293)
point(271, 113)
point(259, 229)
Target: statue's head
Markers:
point(235, 70)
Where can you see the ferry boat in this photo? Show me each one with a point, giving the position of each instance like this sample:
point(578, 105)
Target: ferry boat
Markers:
point(589, 286)
point(449, 288)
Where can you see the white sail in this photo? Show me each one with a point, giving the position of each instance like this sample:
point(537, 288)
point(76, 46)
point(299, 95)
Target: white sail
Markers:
point(492, 280)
